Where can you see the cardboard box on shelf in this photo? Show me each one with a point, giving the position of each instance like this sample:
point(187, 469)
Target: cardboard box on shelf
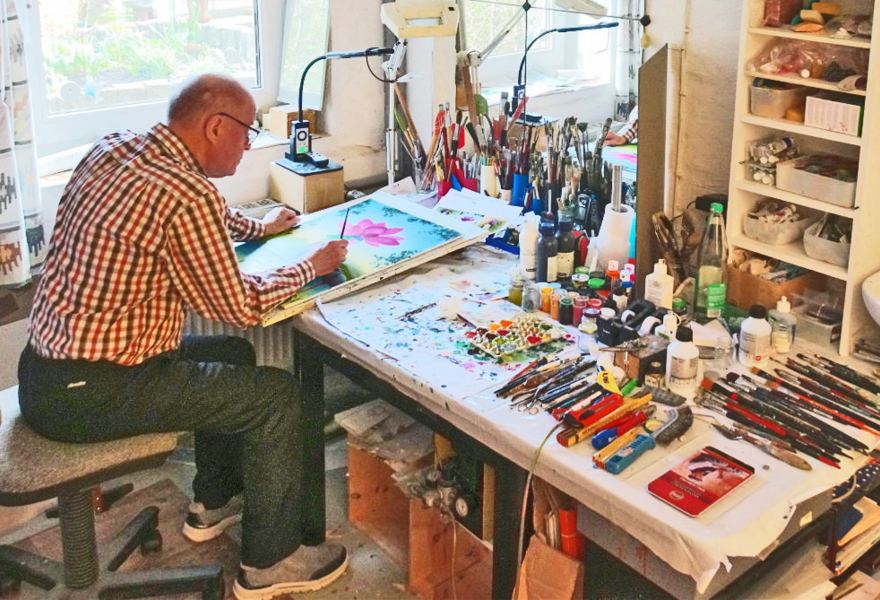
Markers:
point(282, 117)
point(745, 289)
point(838, 112)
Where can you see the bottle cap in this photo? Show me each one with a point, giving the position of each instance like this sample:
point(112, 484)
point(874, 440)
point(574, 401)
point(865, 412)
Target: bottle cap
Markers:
point(758, 312)
point(678, 303)
point(607, 313)
point(588, 327)
point(684, 334)
point(670, 321)
point(596, 283)
point(618, 291)
point(566, 301)
point(783, 305)
point(583, 270)
point(660, 267)
point(547, 228)
point(564, 225)
point(716, 207)
point(612, 267)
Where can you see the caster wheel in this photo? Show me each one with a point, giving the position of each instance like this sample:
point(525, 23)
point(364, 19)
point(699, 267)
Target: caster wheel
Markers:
point(8, 584)
point(152, 544)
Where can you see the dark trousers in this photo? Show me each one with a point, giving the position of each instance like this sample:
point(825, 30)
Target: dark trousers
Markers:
point(247, 423)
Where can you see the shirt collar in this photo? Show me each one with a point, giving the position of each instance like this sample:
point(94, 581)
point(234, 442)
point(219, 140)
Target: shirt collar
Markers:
point(175, 146)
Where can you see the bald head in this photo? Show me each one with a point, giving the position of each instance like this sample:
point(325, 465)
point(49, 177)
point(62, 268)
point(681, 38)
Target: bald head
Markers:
point(210, 113)
point(205, 95)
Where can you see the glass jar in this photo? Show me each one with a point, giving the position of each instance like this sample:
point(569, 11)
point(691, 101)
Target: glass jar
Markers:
point(554, 306)
point(655, 375)
point(586, 336)
point(546, 292)
point(515, 291)
point(531, 297)
point(580, 303)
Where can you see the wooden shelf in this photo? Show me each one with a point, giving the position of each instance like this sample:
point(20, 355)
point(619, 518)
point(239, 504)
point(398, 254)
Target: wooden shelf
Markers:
point(807, 82)
point(773, 192)
point(801, 129)
point(792, 253)
point(821, 37)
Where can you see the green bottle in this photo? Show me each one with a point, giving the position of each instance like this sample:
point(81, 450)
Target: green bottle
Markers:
point(710, 294)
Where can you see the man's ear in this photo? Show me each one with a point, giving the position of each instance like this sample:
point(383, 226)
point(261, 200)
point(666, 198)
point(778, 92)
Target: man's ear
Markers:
point(213, 127)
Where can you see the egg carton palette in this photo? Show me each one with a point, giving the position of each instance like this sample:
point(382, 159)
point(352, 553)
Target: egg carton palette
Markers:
point(508, 336)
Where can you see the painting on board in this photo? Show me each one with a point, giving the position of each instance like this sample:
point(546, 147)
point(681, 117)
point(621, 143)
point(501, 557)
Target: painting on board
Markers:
point(379, 235)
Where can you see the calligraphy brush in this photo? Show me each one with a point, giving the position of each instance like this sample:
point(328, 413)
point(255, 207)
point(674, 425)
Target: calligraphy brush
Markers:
point(344, 223)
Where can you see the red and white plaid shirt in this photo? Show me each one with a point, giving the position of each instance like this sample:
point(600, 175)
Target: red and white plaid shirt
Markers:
point(140, 235)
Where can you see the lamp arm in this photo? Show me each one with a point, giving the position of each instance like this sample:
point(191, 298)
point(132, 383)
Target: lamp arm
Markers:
point(522, 63)
point(508, 27)
point(302, 83)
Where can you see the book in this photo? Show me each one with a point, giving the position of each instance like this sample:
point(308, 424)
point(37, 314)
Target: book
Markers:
point(870, 517)
point(700, 481)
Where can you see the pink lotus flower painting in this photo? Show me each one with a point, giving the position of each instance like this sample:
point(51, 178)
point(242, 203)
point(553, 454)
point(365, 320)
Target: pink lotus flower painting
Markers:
point(374, 234)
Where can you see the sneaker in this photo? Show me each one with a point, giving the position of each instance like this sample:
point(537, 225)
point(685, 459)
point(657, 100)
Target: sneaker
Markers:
point(308, 569)
point(203, 524)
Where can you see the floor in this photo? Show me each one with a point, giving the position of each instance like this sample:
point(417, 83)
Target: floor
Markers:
point(371, 575)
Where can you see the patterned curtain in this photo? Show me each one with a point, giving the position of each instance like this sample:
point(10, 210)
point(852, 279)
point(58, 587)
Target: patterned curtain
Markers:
point(22, 239)
point(629, 59)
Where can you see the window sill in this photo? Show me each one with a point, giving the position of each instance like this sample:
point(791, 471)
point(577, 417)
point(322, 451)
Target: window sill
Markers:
point(542, 86)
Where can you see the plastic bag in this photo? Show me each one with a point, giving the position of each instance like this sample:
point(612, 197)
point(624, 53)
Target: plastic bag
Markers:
point(848, 26)
point(781, 12)
point(810, 60)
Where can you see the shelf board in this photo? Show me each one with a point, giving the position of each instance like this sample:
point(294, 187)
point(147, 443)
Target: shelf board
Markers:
point(807, 82)
point(821, 37)
point(792, 253)
point(773, 192)
point(800, 128)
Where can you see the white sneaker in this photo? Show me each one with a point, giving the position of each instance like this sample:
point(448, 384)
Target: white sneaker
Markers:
point(202, 524)
point(308, 569)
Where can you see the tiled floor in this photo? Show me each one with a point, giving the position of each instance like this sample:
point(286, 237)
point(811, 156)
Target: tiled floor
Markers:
point(371, 575)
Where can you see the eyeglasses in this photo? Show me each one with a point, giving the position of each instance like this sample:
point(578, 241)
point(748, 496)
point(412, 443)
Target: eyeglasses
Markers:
point(253, 133)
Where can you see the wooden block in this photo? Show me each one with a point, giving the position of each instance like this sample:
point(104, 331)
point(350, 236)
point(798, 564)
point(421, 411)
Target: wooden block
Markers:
point(281, 118)
point(826, 8)
point(306, 194)
point(376, 505)
point(636, 363)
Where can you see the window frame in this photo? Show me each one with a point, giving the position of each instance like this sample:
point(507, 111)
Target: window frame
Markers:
point(57, 133)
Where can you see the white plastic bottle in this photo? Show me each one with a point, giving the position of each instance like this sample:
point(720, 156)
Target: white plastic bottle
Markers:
point(683, 364)
point(658, 286)
point(669, 327)
point(754, 338)
point(528, 244)
point(784, 324)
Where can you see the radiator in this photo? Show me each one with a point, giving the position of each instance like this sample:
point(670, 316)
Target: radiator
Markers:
point(274, 344)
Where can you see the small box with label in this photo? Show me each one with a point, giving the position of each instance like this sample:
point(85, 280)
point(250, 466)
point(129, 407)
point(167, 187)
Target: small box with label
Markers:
point(835, 112)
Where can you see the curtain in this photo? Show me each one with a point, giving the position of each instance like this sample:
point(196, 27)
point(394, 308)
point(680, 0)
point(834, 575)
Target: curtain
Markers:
point(23, 242)
point(629, 59)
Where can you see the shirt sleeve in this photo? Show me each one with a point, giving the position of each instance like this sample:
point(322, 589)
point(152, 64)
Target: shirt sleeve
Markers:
point(630, 131)
point(205, 272)
point(242, 228)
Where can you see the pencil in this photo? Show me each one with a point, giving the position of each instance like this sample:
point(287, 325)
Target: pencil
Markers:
point(344, 223)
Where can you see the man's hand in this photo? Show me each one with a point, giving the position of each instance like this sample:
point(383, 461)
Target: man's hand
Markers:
point(612, 139)
point(279, 219)
point(329, 256)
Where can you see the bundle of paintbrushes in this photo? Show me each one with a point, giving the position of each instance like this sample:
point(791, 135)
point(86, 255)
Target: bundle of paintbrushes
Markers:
point(792, 411)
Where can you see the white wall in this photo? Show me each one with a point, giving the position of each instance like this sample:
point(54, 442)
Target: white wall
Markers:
point(705, 37)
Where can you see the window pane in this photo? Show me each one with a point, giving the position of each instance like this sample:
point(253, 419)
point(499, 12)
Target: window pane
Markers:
point(483, 21)
point(100, 53)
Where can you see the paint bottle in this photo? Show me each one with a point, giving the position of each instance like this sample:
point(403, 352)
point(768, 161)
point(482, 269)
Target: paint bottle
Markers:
point(547, 251)
point(620, 298)
point(626, 282)
point(683, 364)
point(565, 243)
point(669, 327)
point(654, 375)
point(586, 336)
point(612, 274)
point(580, 303)
point(755, 338)
point(784, 325)
point(554, 306)
point(546, 292)
point(528, 243)
point(566, 311)
point(515, 291)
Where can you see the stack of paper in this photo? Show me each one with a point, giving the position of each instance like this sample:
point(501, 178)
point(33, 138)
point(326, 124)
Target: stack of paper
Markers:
point(861, 537)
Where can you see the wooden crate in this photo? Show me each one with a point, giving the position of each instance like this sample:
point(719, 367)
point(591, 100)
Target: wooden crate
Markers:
point(745, 289)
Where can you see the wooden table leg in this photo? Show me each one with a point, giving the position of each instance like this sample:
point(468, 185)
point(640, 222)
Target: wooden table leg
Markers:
point(510, 485)
point(309, 371)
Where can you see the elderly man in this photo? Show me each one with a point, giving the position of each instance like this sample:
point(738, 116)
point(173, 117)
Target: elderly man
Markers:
point(141, 235)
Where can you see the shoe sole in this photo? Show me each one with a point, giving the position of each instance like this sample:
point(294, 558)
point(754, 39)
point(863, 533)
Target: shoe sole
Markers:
point(279, 589)
point(203, 534)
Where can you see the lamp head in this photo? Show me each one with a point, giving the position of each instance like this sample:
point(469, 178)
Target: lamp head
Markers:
point(420, 18)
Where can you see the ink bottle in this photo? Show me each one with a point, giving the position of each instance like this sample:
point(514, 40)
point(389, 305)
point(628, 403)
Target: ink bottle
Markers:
point(515, 291)
point(554, 306)
point(655, 375)
point(580, 303)
point(586, 335)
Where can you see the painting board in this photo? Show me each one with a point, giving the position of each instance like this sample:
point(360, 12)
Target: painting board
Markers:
point(386, 236)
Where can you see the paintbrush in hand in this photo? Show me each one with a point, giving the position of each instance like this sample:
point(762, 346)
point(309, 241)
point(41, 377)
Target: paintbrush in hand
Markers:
point(344, 223)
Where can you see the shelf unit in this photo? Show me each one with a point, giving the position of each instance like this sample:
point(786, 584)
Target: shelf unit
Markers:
point(864, 259)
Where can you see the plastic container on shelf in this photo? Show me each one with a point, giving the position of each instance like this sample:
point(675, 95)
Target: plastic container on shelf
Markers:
point(772, 103)
point(825, 177)
point(776, 234)
point(836, 253)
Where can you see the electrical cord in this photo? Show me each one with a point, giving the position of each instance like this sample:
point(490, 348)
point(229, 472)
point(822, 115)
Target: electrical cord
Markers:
point(522, 520)
point(370, 69)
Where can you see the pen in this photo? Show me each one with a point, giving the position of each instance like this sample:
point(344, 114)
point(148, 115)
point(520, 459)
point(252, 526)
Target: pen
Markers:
point(344, 223)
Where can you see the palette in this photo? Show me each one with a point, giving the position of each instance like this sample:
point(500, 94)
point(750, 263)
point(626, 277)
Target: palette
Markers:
point(509, 336)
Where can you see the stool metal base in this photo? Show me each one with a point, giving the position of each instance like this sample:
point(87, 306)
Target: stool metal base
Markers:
point(141, 533)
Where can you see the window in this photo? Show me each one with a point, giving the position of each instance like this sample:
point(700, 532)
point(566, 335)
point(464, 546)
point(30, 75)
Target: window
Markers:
point(582, 55)
point(112, 64)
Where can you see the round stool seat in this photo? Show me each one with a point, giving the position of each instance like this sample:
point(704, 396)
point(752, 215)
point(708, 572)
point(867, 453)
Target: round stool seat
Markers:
point(34, 468)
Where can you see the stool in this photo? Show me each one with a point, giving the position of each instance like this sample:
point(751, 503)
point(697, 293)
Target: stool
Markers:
point(33, 469)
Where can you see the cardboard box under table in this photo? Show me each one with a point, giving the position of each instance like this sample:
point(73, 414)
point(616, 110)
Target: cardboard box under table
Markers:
point(745, 289)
